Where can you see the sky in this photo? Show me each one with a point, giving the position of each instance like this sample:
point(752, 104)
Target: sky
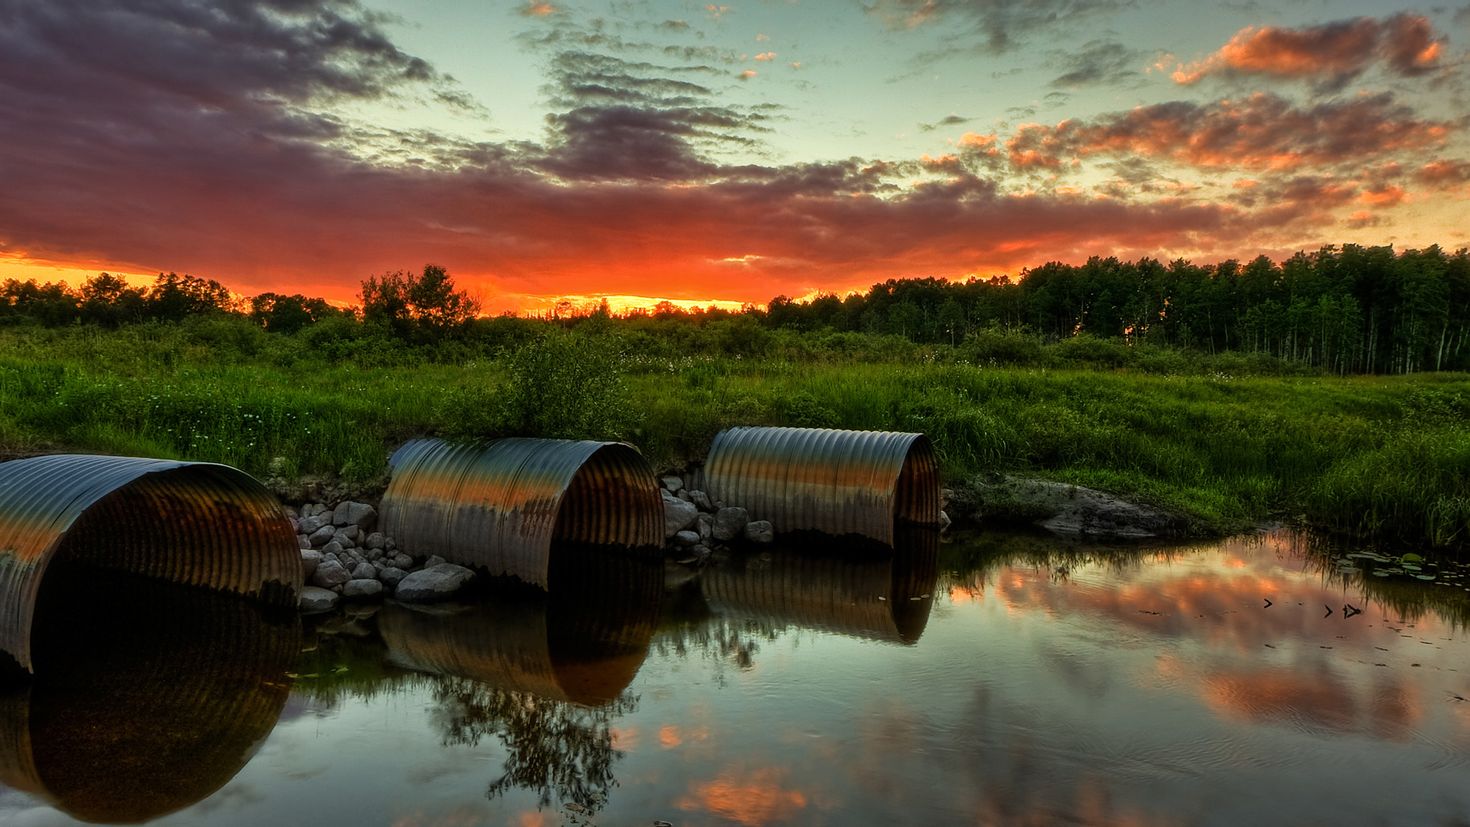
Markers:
point(715, 152)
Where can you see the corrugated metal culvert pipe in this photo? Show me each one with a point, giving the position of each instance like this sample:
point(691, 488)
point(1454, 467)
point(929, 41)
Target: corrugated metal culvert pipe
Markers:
point(835, 482)
point(197, 524)
point(499, 505)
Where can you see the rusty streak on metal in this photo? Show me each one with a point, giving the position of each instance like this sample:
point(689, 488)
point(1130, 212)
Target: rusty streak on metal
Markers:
point(836, 482)
point(499, 505)
point(199, 524)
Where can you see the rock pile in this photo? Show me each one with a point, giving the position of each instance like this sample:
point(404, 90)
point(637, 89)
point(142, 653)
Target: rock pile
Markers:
point(343, 558)
point(695, 523)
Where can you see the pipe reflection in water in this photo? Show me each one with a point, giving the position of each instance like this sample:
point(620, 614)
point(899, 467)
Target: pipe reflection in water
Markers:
point(544, 673)
point(148, 696)
point(873, 594)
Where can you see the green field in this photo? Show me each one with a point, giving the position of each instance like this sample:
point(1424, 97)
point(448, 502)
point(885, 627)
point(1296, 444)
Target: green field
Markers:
point(1227, 440)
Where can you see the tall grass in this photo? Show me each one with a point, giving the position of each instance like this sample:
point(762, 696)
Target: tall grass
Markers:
point(1375, 456)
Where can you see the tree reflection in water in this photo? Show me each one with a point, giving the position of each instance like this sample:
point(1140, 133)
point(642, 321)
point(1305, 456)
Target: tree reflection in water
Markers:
point(563, 751)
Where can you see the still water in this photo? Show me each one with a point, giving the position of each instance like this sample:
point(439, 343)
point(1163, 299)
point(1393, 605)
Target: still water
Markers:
point(993, 679)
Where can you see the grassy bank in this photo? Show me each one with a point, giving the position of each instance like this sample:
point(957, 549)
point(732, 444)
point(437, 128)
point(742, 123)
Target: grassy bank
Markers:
point(1383, 457)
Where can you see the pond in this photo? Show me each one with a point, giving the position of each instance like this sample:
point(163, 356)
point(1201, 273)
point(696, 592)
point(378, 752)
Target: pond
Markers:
point(990, 679)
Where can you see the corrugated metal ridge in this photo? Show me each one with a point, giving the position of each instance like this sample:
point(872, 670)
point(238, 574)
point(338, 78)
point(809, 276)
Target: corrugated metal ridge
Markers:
point(196, 523)
point(498, 505)
point(832, 481)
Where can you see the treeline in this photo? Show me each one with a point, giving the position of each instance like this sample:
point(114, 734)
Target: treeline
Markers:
point(1343, 309)
point(1346, 309)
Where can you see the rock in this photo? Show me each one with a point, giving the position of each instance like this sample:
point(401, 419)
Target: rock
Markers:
point(701, 551)
point(433, 561)
point(351, 532)
point(687, 537)
point(376, 540)
point(1061, 508)
point(678, 515)
point(434, 583)
point(291, 513)
point(315, 600)
point(392, 576)
point(760, 531)
point(701, 500)
point(730, 523)
point(351, 513)
point(364, 571)
point(321, 536)
point(303, 541)
point(308, 525)
point(332, 557)
point(346, 540)
point(332, 547)
point(390, 544)
point(944, 521)
point(373, 555)
point(362, 587)
point(402, 561)
point(683, 494)
point(672, 483)
point(330, 573)
point(309, 561)
point(706, 527)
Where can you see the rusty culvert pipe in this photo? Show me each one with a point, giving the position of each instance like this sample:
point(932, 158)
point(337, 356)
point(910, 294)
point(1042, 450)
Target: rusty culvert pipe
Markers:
point(835, 482)
point(197, 524)
point(499, 505)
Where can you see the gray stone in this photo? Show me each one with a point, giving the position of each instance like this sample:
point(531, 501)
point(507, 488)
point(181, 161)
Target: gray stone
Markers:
point(392, 576)
point(321, 536)
point(330, 556)
point(295, 524)
point(332, 547)
point(303, 541)
point(376, 540)
point(351, 513)
point(351, 532)
point(314, 599)
point(730, 523)
point(760, 531)
point(309, 561)
point(364, 571)
point(330, 573)
point(362, 587)
point(678, 515)
point(706, 527)
point(701, 500)
point(686, 537)
point(672, 483)
point(1061, 508)
point(402, 561)
point(435, 583)
point(684, 495)
point(308, 525)
point(433, 561)
point(290, 512)
point(373, 555)
point(390, 544)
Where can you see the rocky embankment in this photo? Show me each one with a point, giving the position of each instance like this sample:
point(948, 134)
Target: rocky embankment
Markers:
point(695, 525)
point(343, 558)
point(1061, 508)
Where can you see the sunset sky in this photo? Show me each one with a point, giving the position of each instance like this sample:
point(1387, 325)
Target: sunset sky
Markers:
point(730, 151)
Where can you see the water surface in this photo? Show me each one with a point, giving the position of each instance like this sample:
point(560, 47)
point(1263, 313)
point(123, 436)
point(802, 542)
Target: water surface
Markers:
point(994, 679)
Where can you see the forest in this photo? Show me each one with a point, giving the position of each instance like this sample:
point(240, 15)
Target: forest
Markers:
point(1342, 309)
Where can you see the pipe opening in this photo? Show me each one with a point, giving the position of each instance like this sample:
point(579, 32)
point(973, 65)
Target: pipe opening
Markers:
point(609, 502)
point(916, 499)
point(191, 526)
